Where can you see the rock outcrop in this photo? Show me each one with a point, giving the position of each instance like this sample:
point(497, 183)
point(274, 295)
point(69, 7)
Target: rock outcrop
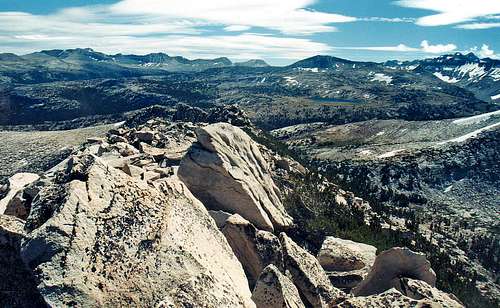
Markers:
point(99, 237)
point(418, 289)
point(391, 265)
point(393, 298)
point(118, 224)
point(220, 217)
point(346, 262)
point(307, 274)
point(344, 255)
point(226, 171)
point(273, 290)
point(254, 248)
point(227, 114)
point(17, 284)
point(15, 203)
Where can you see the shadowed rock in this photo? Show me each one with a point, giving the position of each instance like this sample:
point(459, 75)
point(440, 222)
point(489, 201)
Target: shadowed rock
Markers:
point(254, 248)
point(275, 290)
point(418, 294)
point(392, 264)
point(307, 274)
point(15, 203)
point(17, 284)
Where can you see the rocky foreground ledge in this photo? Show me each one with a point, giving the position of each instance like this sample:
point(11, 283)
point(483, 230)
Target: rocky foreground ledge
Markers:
point(182, 213)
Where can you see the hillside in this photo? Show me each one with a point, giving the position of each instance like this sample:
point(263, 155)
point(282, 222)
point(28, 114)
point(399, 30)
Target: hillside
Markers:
point(107, 226)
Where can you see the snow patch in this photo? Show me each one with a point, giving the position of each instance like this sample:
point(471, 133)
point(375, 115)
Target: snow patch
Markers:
point(150, 64)
point(382, 78)
point(473, 70)
point(470, 135)
point(445, 78)
point(365, 152)
point(495, 74)
point(380, 133)
point(476, 119)
point(307, 69)
point(391, 153)
point(494, 97)
point(291, 81)
point(448, 189)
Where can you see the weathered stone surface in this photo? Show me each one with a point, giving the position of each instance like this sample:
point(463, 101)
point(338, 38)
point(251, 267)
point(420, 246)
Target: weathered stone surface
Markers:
point(151, 176)
point(151, 150)
point(98, 237)
point(98, 140)
point(226, 171)
point(125, 149)
point(308, 275)
point(392, 264)
point(254, 248)
point(393, 298)
point(343, 255)
point(220, 217)
point(273, 290)
point(144, 135)
point(133, 171)
point(418, 289)
point(14, 203)
point(115, 139)
point(17, 285)
point(346, 280)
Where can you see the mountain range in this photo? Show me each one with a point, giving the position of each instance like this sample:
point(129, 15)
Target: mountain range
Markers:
point(481, 76)
point(61, 85)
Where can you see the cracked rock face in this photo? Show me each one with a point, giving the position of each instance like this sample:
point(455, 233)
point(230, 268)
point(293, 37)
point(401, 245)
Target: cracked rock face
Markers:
point(392, 298)
point(420, 290)
point(393, 264)
point(254, 248)
point(226, 171)
point(308, 275)
point(14, 203)
point(346, 262)
point(274, 289)
point(99, 237)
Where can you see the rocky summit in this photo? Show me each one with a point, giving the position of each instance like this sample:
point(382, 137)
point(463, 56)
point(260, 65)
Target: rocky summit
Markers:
point(183, 211)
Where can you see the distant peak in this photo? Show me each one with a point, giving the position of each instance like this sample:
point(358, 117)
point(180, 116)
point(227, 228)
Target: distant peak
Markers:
point(252, 63)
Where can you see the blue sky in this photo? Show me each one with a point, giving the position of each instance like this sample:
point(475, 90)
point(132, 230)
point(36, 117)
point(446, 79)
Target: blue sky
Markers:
point(278, 31)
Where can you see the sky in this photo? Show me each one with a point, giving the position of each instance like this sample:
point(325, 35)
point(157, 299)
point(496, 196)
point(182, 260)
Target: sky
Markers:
point(278, 31)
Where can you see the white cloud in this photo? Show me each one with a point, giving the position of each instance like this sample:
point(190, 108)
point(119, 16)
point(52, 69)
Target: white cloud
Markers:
point(385, 19)
point(480, 25)
point(439, 48)
point(286, 16)
point(452, 11)
point(180, 27)
point(400, 48)
point(425, 47)
point(239, 47)
point(485, 52)
point(237, 28)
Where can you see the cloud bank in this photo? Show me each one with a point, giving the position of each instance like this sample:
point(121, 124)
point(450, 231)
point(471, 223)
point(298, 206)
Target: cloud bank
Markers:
point(425, 47)
point(451, 12)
